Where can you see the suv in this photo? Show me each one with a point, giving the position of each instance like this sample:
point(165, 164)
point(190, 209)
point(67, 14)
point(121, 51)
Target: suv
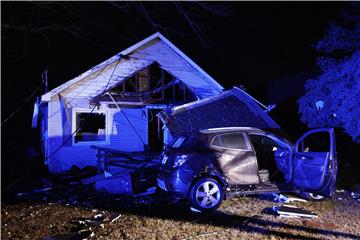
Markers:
point(218, 163)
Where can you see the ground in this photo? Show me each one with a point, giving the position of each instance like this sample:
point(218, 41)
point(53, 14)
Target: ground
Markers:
point(74, 212)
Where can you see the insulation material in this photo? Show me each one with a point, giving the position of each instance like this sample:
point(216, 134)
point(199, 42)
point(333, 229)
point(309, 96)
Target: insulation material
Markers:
point(105, 78)
point(170, 61)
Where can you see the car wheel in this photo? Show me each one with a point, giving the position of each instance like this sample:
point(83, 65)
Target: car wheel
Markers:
point(206, 194)
point(312, 196)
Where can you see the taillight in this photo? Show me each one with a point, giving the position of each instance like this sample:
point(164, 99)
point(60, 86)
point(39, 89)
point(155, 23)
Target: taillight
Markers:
point(180, 160)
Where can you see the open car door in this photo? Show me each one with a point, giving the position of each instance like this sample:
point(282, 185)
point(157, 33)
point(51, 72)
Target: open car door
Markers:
point(315, 163)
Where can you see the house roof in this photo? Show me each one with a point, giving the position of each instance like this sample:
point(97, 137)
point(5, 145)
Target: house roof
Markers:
point(155, 48)
point(232, 108)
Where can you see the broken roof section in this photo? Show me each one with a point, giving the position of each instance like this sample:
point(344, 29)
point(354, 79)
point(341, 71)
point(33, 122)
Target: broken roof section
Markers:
point(154, 49)
point(232, 108)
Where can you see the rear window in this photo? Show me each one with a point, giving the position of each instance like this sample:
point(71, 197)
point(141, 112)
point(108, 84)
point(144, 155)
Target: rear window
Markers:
point(230, 140)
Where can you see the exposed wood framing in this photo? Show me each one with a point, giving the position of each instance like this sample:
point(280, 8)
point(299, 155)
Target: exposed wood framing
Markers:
point(162, 78)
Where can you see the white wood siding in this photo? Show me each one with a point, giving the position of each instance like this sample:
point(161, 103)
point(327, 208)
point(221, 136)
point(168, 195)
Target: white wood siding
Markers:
point(122, 136)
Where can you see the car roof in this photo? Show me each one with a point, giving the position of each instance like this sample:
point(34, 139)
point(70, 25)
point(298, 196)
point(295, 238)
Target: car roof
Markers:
point(231, 129)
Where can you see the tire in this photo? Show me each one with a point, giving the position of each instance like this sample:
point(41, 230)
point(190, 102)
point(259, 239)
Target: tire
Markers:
point(312, 196)
point(206, 194)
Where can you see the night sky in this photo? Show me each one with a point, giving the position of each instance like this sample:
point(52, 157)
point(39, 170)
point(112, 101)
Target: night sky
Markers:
point(266, 47)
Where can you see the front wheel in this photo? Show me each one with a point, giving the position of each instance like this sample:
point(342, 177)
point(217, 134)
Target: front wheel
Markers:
point(206, 194)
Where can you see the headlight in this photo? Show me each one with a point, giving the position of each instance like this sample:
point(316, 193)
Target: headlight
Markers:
point(180, 160)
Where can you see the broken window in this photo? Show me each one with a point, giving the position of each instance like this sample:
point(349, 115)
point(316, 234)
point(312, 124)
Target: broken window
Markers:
point(90, 127)
point(230, 140)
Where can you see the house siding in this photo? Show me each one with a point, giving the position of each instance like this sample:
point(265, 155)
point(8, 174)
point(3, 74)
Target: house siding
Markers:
point(62, 156)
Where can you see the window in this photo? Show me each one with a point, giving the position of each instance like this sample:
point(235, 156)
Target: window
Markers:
point(90, 127)
point(230, 140)
point(266, 143)
point(316, 142)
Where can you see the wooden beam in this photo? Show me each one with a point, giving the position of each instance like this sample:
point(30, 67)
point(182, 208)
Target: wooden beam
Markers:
point(162, 78)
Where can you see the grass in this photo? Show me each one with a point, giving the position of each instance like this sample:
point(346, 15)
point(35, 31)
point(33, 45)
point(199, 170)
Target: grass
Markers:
point(49, 217)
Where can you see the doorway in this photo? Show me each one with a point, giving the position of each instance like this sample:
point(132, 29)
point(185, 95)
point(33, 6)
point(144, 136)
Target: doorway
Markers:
point(155, 131)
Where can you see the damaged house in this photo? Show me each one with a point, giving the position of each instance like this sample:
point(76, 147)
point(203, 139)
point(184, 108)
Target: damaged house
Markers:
point(116, 104)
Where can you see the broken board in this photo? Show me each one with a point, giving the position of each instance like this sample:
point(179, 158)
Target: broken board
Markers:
point(120, 184)
point(292, 211)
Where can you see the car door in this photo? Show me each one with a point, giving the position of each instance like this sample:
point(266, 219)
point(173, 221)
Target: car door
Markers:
point(315, 163)
point(235, 158)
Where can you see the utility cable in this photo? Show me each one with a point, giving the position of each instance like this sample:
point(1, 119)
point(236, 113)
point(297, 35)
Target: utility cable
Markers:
point(22, 105)
point(86, 119)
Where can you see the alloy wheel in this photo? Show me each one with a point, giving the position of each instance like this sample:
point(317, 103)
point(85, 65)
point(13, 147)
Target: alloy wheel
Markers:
point(208, 194)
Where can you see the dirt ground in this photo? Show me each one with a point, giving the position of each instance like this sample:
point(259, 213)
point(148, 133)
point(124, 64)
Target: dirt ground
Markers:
point(73, 212)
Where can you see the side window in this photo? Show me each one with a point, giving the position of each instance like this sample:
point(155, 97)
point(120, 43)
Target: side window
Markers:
point(230, 140)
point(265, 142)
point(315, 142)
point(216, 141)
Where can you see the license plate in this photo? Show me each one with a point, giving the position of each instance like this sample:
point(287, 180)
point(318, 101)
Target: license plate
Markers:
point(161, 184)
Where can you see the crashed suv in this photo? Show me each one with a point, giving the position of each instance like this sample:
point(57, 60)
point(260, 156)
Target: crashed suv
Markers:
point(215, 164)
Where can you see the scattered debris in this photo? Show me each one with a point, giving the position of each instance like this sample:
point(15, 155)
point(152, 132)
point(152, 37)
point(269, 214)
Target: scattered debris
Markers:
point(107, 174)
point(115, 219)
point(34, 191)
point(340, 190)
point(282, 198)
point(355, 196)
point(292, 211)
point(200, 235)
point(195, 210)
point(317, 224)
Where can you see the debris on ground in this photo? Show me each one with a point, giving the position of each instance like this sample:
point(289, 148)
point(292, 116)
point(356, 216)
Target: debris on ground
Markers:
point(281, 198)
point(151, 217)
point(115, 219)
point(319, 225)
point(194, 210)
point(355, 196)
point(293, 211)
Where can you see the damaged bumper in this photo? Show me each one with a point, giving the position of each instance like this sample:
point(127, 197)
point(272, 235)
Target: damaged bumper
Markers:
point(174, 182)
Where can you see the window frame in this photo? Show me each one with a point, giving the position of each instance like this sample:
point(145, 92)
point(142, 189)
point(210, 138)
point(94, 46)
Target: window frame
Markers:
point(272, 137)
point(73, 127)
point(249, 148)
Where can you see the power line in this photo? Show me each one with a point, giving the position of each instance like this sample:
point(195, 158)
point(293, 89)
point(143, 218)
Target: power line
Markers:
point(86, 119)
point(22, 105)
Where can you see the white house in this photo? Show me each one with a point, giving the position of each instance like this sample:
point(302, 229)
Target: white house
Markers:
point(115, 103)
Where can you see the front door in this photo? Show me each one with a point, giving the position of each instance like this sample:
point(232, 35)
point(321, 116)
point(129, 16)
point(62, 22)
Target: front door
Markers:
point(314, 162)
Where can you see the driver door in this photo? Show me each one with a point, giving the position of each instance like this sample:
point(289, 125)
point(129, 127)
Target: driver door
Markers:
point(315, 163)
